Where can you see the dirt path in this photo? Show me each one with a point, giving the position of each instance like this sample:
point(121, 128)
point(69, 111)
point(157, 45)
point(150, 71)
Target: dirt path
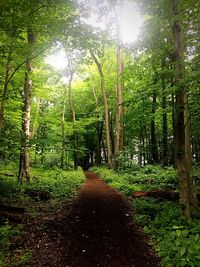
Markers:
point(95, 230)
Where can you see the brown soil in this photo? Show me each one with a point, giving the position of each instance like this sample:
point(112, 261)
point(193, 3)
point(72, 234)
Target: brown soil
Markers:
point(96, 229)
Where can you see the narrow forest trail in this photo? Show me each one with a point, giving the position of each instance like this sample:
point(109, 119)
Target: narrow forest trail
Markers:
point(95, 230)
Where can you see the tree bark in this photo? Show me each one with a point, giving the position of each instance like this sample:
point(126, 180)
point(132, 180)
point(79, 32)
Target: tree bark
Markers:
point(154, 148)
point(121, 145)
point(106, 110)
point(24, 161)
point(188, 196)
point(5, 89)
point(119, 102)
point(164, 117)
point(99, 131)
point(73, 116)
point(35, 123)
point(63, 148)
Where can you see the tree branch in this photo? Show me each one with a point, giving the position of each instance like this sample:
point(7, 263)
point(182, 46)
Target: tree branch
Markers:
point(16, 69)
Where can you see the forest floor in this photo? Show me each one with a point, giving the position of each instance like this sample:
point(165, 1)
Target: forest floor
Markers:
point(94, 229)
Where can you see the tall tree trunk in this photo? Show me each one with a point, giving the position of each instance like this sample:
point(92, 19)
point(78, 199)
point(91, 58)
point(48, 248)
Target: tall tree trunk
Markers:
point(154, 148)
point(121, 145)
point(99, 131)
point(112, 137)
point(99, 142)
point(5, 89)
point(3, 100)
point(63, 148)
point(140, 148)
point(35, 123)
point(73, 116)
point(24, 161)
point(145, 148)
point(188, 196)
point(188, 151)
point(164, 116)
point(106, 110)
point(119, 103)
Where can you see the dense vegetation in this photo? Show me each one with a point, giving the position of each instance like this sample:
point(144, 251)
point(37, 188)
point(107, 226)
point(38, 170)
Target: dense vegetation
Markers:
point(177, 241)
point(131, 107)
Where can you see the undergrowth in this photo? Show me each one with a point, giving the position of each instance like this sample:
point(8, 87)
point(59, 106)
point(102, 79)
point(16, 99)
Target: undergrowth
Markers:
point(6, 233)
point(145, 178)
point(60, 184)
point(176, 240)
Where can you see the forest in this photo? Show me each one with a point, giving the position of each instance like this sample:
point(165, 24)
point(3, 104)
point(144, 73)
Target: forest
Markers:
point(100, 133)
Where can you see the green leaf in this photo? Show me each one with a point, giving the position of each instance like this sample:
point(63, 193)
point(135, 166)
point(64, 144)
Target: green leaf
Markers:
point(178, 232)
point(183, 250)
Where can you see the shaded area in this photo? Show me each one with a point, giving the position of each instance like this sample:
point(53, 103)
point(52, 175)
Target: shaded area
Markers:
point(96, 229)
point(161, 195)
point(12, 214)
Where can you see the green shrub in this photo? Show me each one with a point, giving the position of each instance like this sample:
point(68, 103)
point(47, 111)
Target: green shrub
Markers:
point(61, 184)
point(117, 180)
point(58, 182)
point(179, 246)
point(6, 232)
point(177, 241)
point(148, 177)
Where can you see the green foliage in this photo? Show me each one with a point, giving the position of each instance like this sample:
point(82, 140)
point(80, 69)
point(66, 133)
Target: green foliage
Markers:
point(9, 186)
point(141, 178)
point(6, 232)
point(21, 257)
point(117, 181)
point(61, 184)
point(177, 241)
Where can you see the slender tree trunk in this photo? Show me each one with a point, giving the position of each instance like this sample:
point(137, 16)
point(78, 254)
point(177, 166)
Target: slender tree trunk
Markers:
point(121, 145)
point(35, 123)
point(5, 91)
point(119, 99)
point(140, 148)
point(24, 161)
point(112, 137)
point(73, 116)
point(174, 153)
point(99, 131)
point(188, 196)
point(99, 141)
point(187, 132)
point(164, 116)
point(145, 150)
point(106, 110)
point(63, 148)
point(154, 148)
point(188, 150)
point(104, 151)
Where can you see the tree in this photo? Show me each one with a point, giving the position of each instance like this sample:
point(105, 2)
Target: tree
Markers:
point(119, 129)
point(24, 161)
point(107, 119)
point(164, 115)
point(73, 117)
point(182, 142)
